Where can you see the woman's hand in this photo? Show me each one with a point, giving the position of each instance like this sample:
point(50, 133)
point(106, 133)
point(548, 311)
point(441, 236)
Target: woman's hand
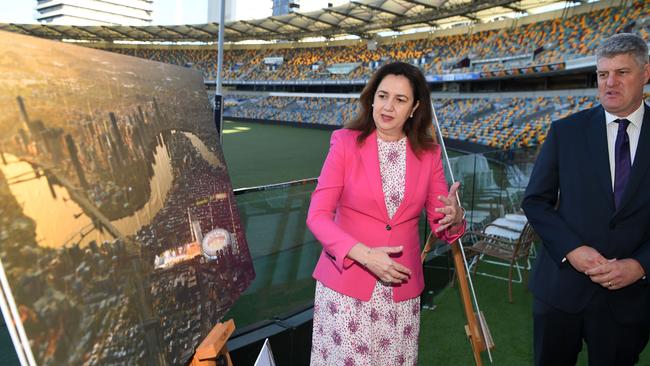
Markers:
point(378, 261)
point(452, 211)
point(384, 267)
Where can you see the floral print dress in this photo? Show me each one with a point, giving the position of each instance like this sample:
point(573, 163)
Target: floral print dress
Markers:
point(351, 332)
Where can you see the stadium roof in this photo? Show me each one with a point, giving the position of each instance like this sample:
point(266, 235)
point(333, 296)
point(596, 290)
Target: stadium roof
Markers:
point(362, 18)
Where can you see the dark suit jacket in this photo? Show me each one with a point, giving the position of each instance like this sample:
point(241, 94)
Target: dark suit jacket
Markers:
point(569, 201)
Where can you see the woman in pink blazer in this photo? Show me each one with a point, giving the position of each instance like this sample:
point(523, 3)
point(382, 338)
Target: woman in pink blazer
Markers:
point(382, 170)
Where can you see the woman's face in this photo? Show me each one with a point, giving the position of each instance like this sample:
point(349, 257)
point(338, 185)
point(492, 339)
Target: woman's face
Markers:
point(392, 105)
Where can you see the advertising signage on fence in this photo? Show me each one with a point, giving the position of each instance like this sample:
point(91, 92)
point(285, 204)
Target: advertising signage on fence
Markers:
point(454, 77)
point(275, 60)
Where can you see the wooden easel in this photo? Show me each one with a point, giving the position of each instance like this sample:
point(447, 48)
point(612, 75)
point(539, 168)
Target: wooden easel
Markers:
point(213, 350)
point(476, 328)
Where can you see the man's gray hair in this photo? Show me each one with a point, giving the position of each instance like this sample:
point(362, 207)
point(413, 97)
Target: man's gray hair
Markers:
point(624, 43)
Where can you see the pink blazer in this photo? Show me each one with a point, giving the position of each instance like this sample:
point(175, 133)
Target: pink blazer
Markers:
point(348, 207)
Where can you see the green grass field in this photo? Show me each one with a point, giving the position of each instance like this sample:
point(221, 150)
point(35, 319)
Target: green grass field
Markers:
point(442, 335)
point(259, 154)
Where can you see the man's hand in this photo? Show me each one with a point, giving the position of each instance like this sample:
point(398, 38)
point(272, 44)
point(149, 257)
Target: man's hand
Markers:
point(616, 274)
point(584, 258)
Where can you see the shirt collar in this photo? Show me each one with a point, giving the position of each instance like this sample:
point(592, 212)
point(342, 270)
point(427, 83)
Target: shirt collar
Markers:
point(635, 118)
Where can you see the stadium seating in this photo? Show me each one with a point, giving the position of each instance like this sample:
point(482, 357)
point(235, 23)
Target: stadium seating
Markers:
point(500, 123)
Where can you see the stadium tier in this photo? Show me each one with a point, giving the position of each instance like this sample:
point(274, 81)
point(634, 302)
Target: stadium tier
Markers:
point(535, 45)
point(501, 123)
point(513, 50)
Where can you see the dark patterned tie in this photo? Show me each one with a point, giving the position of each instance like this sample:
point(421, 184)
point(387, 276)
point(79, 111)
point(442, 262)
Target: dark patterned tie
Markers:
point(623, 163)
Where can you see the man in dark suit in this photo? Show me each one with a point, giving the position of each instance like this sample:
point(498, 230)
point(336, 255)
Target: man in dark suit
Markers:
point(589, 200)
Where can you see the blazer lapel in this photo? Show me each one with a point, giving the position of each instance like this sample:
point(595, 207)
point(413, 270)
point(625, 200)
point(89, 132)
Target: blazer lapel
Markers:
point(370, 160)
point(641, 161)
point(596, 135)
point(411, 179)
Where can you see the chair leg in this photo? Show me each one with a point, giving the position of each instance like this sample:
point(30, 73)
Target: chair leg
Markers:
point(478, 260)
point(524, 280)
point(512, 263)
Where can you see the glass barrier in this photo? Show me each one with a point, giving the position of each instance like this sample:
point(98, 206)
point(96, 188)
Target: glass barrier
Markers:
point(285, 252)
point(493, 183)
point(492, 186)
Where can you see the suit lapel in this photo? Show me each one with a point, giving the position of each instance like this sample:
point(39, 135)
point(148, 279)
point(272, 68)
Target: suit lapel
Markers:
point(370, 160)
point(596, 135)
point(641, 161)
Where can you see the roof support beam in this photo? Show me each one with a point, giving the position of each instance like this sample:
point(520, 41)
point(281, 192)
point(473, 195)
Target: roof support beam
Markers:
point(82, 29)
point(316, 19)
point(416, 2)
point(260, 27)
point(429, 24)
point(112, 30)
point(471, 17)
point(202, 30)
point(170, 29)
point(457, 10)
point(18, 26)
point(330, 10)
point(234, 29)
point(129, 36)
point(56, 30)
point(27, 31)
point(515, 8)
point(379, 9)
point(291, 25)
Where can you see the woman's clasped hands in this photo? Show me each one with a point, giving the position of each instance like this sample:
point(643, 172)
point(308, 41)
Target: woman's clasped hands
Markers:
point(378, 261)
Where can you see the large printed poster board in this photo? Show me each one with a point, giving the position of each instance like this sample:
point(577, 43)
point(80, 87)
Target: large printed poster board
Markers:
point(120, 239)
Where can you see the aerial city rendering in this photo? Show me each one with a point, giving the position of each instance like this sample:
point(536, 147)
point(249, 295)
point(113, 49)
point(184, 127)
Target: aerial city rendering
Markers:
point(119, 233)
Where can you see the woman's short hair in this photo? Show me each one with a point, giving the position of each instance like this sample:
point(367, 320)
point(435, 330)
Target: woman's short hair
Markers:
point(416, 128)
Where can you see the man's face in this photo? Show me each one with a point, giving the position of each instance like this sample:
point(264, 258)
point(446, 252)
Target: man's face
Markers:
point(620, 83)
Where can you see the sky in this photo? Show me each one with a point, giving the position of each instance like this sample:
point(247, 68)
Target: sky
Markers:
point(168, 12)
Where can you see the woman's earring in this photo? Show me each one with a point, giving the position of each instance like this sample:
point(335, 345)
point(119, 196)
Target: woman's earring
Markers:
point(411, 116)
point(372, 106)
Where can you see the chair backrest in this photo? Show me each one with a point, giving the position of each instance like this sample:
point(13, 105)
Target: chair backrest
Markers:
point(525, 241)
